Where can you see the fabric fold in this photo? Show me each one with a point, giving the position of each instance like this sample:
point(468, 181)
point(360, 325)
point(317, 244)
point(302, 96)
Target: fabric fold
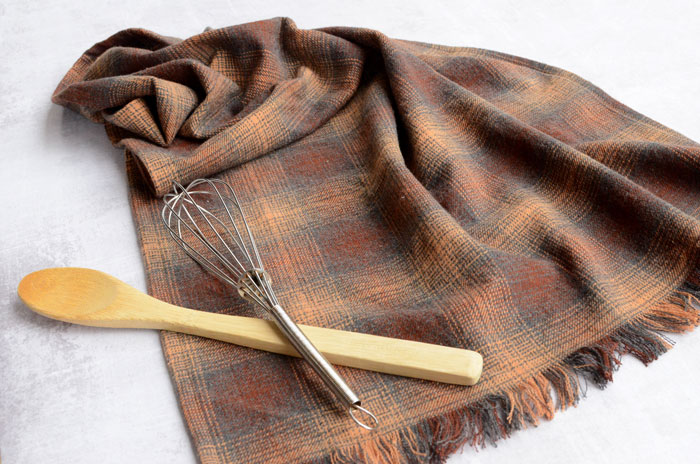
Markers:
point(205, 105)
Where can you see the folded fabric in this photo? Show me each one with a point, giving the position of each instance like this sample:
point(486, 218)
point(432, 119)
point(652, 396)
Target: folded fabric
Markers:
point(449, 195)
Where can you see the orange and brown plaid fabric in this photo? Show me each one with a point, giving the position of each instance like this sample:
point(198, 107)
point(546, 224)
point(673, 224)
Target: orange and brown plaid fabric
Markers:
point(450, 195)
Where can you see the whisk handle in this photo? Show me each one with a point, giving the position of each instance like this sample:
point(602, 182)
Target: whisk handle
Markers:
point(309, 352)
point(319, 363)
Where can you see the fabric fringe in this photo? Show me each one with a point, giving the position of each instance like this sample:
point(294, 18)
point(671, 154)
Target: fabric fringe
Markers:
point(557, 388)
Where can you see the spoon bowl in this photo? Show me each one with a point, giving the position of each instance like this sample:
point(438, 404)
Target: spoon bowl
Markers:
point(70, 294)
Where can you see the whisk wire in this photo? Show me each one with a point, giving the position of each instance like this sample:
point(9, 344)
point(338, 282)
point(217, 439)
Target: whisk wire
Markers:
point(195, 231)
point(196, 255)
point(258, 264)
point(205, 213)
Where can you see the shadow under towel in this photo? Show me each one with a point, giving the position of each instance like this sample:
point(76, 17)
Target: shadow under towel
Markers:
point(449, 195)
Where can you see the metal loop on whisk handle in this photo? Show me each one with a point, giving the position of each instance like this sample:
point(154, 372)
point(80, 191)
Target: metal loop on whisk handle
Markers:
point(206, 220)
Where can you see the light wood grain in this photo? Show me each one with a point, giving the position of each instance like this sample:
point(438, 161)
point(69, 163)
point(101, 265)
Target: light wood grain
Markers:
point(90, 297)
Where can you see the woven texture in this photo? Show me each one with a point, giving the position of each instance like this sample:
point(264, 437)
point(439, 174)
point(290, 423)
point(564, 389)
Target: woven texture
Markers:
point(449, 195)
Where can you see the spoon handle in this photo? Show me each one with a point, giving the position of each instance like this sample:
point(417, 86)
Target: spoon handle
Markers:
point(353, 349)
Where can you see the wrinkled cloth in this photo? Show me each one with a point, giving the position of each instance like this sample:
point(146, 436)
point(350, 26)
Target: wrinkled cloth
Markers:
point(450, 195)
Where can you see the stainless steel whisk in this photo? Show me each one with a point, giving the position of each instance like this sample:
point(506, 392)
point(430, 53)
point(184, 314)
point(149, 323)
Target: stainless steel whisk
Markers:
point(207, 221)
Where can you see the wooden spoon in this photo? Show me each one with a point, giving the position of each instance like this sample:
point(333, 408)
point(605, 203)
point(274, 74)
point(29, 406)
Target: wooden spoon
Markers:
point(89, 297)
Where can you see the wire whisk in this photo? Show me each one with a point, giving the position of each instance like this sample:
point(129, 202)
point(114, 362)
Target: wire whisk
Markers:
point(207, 221)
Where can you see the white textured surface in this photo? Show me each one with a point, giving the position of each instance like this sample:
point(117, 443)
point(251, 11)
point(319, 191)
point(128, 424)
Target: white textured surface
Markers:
point(84, 395)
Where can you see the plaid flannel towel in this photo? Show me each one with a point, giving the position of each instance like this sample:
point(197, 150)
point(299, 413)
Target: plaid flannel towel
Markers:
point(450, 195)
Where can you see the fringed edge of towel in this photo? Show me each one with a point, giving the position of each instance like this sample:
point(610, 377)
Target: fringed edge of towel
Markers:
point(556, 388)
